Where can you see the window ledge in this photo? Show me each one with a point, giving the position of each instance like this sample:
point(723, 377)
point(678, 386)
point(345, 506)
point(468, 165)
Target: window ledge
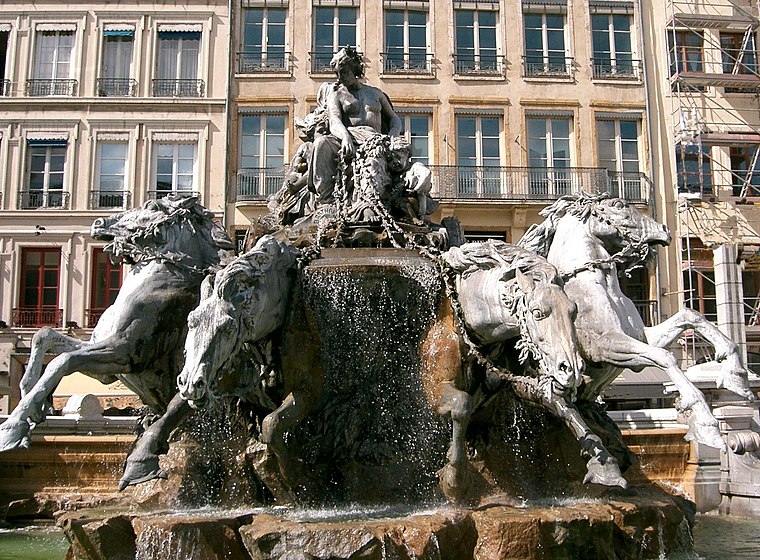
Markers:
point(407, 76)
point(625, 81)
point(264, 75)
point(480, 77)
point(560, 79)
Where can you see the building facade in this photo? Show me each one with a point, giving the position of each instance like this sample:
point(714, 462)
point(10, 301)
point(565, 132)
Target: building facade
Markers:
point(102, 108)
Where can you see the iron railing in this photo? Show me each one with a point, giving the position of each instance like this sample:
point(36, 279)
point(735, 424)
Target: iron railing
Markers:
point(41, 88)
point(109, 199)
point(454, 182)
point(252, 62)
point(607, 69)
point(259, 183)
point(479, 64)
point(178, 88)
point(28, 199)
point(93, 316)
point(45, 316)
point(160, 193)
point(548, 67)
point(117, 87)
point(409, 62)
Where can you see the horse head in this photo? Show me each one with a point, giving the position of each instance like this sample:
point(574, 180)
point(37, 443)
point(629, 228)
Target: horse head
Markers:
point(244, 302)
point(175, 229)
point(547, 332)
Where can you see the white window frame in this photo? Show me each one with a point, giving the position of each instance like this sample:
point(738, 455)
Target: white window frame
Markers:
point(175, 173)
point(407, 67)
point(477, 47)
point(99, 175)
point(265, 26)
point(483, 180)
point(545, 52)
point(614, 53)
point(318, 64)
point(406, 116)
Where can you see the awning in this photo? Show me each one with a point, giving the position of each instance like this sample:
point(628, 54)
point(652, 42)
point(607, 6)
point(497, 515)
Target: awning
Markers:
point(118, 30)
point(5, 27)
point(47, 138)
point(180, 28)
point(56, 27)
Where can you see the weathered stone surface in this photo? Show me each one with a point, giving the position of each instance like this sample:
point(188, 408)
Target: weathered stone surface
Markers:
point(102, 539)
point(189, 537)
point(447, 535)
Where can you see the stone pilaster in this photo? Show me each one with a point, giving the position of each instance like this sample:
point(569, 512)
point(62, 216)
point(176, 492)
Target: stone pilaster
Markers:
point(729, 295)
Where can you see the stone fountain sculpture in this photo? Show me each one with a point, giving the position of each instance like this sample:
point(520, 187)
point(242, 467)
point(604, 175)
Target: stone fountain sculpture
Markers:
point(361, 354)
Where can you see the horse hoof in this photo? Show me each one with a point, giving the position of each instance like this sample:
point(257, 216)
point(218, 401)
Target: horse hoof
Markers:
point(707, 434)
point(606, 473)
point(14, 434)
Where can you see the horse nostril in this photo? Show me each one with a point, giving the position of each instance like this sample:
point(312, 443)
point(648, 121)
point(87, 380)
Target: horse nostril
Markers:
point(563, 366)
point(199, 383)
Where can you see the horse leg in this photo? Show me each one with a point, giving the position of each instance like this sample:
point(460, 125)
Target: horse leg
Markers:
point(46, 341)
point(623, 351)
point(274, 426)
point(734, 374)
point(142, 463)
point(457, 404)
point(92, 359)
point(601, 467)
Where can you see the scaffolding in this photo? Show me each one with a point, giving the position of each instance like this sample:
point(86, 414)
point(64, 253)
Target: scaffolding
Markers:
point(715, 113)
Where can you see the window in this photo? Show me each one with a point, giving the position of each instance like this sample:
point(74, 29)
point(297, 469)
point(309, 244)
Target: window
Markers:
point(739, 57)
point(699, 292)
point(46, 161)
point(476, 42)
point(175, 169)
point(617, 143)
point(694, 169)
point(115, 72)
point(416, 129)
point(262, 154)
point(549, 156)
point(613, 48)
point(334, 27)
point(686, 52)
point(5, 84)
point(263, 40)
point(745, 170)
point(38, 299)
point(177, 64)
point(52, 64)
point(110, 191)
point(478, 155)
point(406, 42)
point(545, 53)
point(105, 285)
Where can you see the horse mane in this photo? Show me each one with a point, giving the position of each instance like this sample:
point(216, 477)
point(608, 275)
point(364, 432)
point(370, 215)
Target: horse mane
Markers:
point(539, 237)
point(492, 254)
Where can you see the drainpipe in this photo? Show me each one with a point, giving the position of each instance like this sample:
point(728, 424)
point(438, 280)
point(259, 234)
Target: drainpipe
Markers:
point(653, 201)
point(227, 107)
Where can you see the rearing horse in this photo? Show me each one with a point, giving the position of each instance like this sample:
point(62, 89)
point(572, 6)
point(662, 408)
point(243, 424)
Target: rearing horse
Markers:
point(587, 238)
point(138, 340)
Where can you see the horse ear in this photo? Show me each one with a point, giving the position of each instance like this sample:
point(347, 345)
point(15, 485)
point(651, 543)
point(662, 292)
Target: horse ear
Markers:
point(524, 281)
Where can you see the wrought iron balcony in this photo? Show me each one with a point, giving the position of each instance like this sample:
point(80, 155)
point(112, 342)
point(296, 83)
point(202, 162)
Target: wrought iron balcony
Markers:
point(160, 193)
point(606, 69)
point(630, 186)
point(320, 61)
point(30, 199)
point(109, 199)
point(548, 67)
point(41, 88)
point(258, 183)
point(117, 87)
point(479, 64)
point(93, 316)
point(5, 88)
point(648, 310)
point(259, 62)
point(408, 62)
point(45, 316)
point(515, 183)
point(179, 88)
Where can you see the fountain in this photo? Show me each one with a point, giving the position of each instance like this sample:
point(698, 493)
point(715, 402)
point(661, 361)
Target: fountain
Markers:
point(361, 383)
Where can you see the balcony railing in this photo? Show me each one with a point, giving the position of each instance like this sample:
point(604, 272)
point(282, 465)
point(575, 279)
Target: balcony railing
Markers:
point(109, 199)
point(258, 62)
point(454, 182)
point(160, 193)
point(410, 62)
point(548, 67)
point(93, 316)
point(178, 88)
point(29, 199)
point(479, 64)
point(648, 311)
point(41, 88)
point(44, 316)
point(515, 183)
point(606, 69)
point(5, 88)
point(258, 183)
point(117, 87)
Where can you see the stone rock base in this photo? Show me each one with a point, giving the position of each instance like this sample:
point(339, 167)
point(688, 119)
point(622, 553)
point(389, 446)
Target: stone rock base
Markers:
point(644, 526)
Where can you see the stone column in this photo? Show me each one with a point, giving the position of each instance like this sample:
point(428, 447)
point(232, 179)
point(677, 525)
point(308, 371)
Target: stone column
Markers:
point(729, 295)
